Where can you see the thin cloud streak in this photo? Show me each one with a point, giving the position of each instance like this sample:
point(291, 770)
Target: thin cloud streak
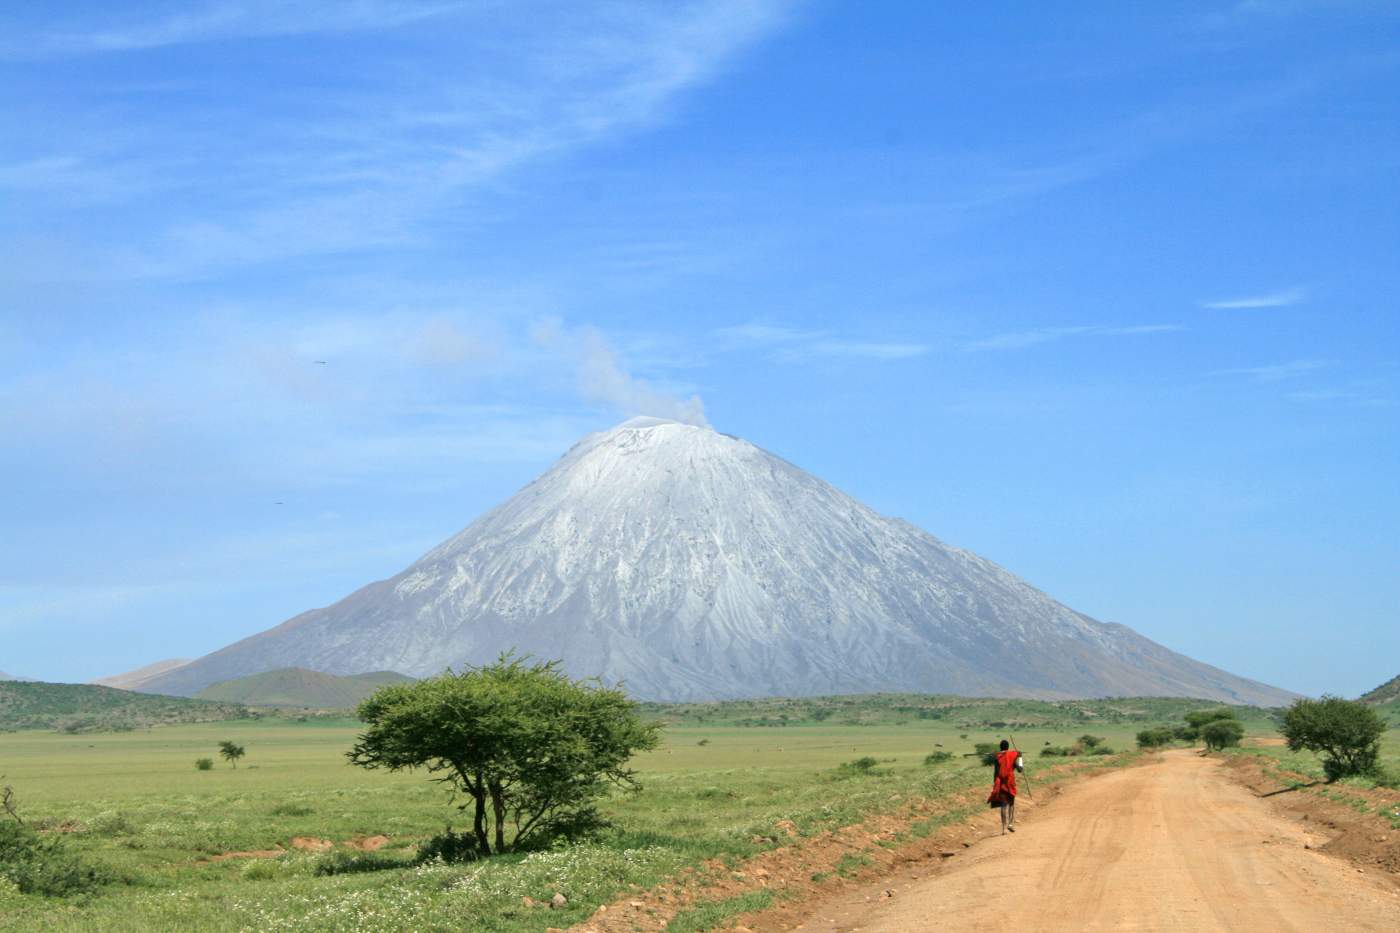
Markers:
point(792, 345)
point(1019, 340)
point(1280, 299)
point(214, 22)
point(1278, 372)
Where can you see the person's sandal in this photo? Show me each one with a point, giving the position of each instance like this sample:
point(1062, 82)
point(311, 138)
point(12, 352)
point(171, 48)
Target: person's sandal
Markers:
point(1011, 829)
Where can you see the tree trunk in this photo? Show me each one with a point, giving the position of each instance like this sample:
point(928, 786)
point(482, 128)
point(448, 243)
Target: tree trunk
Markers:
point(478, 790)
point(498, 804)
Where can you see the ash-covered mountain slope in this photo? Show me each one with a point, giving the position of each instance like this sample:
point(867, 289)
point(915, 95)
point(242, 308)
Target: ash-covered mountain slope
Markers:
point(689, 564)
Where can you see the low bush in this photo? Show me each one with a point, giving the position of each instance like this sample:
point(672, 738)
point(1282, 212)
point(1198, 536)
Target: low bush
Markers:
point(340, 862)
point(986, 752)
point(36, 865)
point(449, 847)
point(292, 809)
point(204, 764)
point(861, 767)
point(1090, 742)
point(1056, 751)
point(1156, 738)
point(1101, 750)
point(938, 757)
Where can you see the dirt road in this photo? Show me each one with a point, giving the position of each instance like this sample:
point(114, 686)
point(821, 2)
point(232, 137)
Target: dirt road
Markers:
point(1173, 845)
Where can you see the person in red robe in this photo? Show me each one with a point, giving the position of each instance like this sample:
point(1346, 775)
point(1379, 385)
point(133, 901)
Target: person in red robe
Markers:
point(1008, 761)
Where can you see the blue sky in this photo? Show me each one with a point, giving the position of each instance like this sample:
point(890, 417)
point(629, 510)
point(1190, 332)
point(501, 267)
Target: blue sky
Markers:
point(1106, 295)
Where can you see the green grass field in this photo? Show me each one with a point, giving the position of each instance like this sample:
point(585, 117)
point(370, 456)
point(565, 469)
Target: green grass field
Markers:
point(135, 803)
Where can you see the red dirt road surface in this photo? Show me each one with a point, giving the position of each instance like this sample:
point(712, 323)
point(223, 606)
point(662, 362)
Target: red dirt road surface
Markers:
point(1173, 845)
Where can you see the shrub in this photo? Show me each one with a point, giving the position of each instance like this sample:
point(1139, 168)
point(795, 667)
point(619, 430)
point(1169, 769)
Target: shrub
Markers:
point(1091, 741)
point(861, 767)
point(531, 749)
point(938, 757)
point(292, 809)
point(1101, 750)
point(986, 752)
point(1155, 738)
point(449, 847)
point(204, 764)
point(1345, 732)
point(1222, 733)
point(1056, 751)
point(340, 862)
point(43, 866)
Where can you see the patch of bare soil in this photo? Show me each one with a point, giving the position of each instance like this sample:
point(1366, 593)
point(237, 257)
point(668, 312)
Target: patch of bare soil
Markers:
point(1265, 741)
point(312, 844)
point(367, 843)
point(807, 871)
point(1356, 824)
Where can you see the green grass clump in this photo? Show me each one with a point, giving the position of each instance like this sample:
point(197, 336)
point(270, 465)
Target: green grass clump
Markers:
point(711, 914)
point(340, 862)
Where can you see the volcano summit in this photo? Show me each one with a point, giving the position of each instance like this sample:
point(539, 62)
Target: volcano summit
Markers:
point(690, 564)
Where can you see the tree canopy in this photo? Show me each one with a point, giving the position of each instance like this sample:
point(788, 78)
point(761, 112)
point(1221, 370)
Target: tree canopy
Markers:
point(1222, 733)
point(231, 752)
point(531, 749)
point(1346, 733)
point(1196, 720)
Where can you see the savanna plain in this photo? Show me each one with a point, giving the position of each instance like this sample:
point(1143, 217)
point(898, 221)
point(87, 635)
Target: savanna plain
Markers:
point(295, 837)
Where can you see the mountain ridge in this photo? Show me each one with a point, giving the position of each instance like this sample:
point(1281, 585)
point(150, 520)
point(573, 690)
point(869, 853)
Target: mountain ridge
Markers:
point(1390, 690)
point(689, 564)
point(134, 679)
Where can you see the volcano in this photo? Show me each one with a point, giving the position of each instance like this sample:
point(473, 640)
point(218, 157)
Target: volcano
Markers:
point(687, 564)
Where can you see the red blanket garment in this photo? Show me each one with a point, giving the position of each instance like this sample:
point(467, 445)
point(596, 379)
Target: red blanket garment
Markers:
point(1004, 784)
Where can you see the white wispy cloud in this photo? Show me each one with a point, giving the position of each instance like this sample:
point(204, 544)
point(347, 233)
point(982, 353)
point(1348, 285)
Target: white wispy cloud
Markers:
point(1017, 340)
point(228, 19)
point(382, 150)
point(1278, 372)
point(1278, 299)
point(791, 344)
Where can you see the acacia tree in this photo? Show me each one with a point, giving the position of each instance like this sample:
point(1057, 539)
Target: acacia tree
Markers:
point(531, 749)
point(1222, 733)
point(1197, 720)
point(1346, 733)
point(231, 753)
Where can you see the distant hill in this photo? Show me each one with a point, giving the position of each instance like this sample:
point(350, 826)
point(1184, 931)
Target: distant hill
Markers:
point(1385, 693)
point(134, 680)
point(90, 708)
point(297, 686)
point(4, 676)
